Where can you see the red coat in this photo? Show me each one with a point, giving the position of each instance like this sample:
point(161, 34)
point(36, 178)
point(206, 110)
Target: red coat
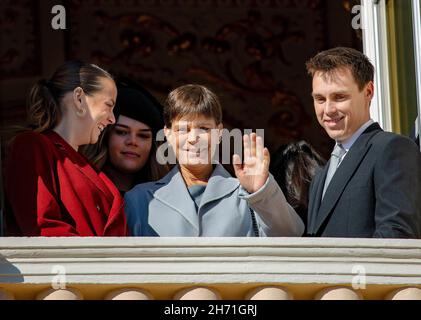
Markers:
point(54, 191)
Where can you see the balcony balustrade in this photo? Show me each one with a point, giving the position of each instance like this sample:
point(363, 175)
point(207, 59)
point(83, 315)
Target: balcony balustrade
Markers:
point(209, 268)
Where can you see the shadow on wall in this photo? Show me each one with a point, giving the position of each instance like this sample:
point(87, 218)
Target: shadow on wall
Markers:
point(9, 273)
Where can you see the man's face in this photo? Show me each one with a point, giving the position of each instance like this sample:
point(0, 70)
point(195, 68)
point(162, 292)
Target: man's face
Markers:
point(341, 108)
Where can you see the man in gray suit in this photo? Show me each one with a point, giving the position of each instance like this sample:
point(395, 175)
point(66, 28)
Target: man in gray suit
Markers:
point(371, 186)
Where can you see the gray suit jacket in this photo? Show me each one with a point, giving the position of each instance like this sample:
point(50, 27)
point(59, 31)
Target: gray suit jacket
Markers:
point(165, 208)
point(375, 192)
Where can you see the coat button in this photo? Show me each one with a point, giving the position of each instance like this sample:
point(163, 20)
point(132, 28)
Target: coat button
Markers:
point(98, 208)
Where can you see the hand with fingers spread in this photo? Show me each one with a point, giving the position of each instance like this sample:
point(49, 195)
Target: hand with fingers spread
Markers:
point(254, 172)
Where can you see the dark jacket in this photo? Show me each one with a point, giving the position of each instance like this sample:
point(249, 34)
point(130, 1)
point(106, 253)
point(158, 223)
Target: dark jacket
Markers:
point(375, 192)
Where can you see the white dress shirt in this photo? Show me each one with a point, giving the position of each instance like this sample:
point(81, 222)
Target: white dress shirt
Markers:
point(347, 144)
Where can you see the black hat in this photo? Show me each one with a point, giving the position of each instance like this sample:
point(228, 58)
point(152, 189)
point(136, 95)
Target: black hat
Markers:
point(136, 102)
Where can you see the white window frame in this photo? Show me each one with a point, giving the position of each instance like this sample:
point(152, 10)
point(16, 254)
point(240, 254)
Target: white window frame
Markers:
point(416, 23)
point(374, 27)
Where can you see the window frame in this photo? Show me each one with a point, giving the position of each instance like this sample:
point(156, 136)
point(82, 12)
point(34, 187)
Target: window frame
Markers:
point(375, 46)
point(416, 23)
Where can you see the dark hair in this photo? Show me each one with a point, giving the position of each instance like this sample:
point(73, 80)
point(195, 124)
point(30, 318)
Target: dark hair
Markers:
point(98, 155)
point(192, 99)
point(135, 102)
point(330, 60)
point(293, 167)
point(46, 95)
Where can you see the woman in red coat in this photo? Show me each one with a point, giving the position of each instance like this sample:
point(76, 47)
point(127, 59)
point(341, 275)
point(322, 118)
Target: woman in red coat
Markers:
point(52, 189)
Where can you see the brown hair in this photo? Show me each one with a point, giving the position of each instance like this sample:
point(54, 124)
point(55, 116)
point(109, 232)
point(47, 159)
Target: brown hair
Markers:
point(192, 100)
point(98, 155)
point(330, 60)
point(45, 96)
point(137, 103)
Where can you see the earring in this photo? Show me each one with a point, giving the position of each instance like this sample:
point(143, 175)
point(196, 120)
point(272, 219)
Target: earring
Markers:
point(81, 112)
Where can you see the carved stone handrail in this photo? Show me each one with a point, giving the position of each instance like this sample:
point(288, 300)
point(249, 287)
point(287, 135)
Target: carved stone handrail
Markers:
point(211, 261)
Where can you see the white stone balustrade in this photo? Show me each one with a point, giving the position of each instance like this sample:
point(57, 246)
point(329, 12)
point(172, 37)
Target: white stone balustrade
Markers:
point(209, 268)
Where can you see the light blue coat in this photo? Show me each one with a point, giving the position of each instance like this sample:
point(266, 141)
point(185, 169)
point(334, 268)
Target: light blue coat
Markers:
point(165, 208)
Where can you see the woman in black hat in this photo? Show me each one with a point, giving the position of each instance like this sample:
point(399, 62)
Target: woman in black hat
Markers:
point(127, 150)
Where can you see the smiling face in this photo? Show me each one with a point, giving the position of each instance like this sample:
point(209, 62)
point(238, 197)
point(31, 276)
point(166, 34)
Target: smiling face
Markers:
point(129, 145)
point(194, 140)
point(341, 107)
point(99, 107)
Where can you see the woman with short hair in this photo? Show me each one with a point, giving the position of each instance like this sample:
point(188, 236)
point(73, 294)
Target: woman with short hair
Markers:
point(199, 197)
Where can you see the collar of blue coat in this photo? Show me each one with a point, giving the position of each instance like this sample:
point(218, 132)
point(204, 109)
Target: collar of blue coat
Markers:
point(174, 191)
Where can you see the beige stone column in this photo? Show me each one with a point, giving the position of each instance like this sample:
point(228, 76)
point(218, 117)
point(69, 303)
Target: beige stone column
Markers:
point(60, 294)
point(338, 293)
point(197, 293)
point(409, 293)
point(129, 294)
point(269, 293)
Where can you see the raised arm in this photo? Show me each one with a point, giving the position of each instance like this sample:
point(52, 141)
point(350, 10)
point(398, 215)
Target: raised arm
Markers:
point(274, 215)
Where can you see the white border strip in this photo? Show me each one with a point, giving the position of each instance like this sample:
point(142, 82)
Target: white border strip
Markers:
point(142, 260)
point(375, 47)
point(416, 20)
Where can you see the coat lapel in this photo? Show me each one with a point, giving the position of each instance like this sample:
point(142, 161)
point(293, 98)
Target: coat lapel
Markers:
point(342, 175)
point(94, 177)
point(219, 185)
point(316, 197)
point(116, 214)
point(81, 163)
point(175, 195)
